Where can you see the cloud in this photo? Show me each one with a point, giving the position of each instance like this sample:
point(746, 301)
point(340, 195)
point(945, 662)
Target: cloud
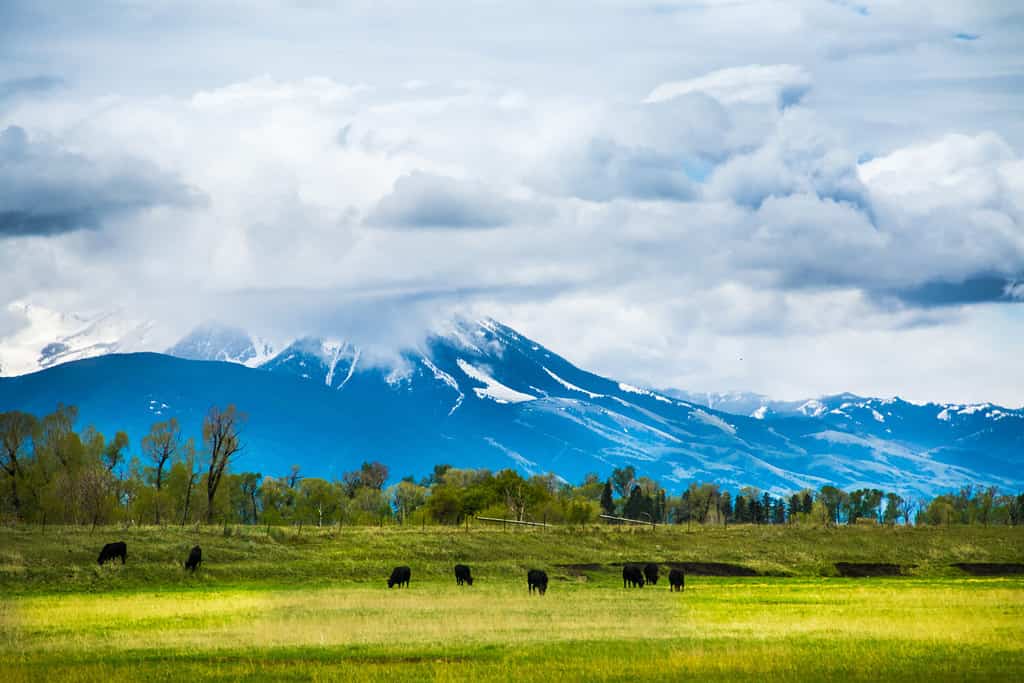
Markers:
point(426, 200)
point(800, 156)
point(603, 169)
point(33, 85)
point(45, 190)
point(974, 290)
point(829, 229)
point(777, 84)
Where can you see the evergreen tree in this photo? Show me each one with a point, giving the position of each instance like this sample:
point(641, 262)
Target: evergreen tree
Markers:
point(780, 512)
point(740, 514)
point(607, 504)
point(795, 506)
point(725, 506)
point(636, 504)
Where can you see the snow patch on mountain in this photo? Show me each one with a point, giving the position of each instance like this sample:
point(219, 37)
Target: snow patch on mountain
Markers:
point(570, 386)
point(492, 389)
point(713, 420)
point(443, 376)
point(525, 463)
point(760, 413)
point(629, 388)
point(813, 408)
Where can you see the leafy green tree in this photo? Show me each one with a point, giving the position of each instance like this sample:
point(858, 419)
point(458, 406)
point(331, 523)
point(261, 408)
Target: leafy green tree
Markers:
point(445, 503)
point(832, 498)
point(17, 431)
point(893, 506)
point(622, 480)
point(278, 500)
point(406, 498)
point(318, 500)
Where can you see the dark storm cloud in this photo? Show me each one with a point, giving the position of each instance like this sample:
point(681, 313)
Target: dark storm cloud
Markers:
point(974, 290)
point(45, 190)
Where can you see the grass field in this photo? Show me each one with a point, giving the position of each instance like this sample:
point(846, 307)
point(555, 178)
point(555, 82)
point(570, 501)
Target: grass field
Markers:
point(315, 606)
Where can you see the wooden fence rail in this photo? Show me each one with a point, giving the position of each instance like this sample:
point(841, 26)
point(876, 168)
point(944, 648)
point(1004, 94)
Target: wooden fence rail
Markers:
point(510, 521)
point(627, 519)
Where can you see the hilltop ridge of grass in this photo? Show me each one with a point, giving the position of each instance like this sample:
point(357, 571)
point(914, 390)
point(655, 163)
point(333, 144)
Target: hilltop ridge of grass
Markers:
point(63, 559)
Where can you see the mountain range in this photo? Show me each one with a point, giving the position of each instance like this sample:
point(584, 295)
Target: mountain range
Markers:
point(479, 394)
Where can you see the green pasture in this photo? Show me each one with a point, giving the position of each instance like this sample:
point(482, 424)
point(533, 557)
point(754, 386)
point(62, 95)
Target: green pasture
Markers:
point(285, 606)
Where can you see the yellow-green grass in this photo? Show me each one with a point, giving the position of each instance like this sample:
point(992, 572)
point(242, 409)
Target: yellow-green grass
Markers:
point(804, 629)
point(282, 604)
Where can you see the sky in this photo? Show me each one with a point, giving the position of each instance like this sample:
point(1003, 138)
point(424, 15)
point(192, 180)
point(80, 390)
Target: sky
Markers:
point(793, 198)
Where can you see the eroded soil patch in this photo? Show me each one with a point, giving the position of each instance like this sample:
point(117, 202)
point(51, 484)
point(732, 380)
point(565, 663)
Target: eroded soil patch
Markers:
point(713, 568)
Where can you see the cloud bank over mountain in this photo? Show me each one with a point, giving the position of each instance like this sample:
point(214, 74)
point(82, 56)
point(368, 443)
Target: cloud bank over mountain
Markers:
point(789, 198)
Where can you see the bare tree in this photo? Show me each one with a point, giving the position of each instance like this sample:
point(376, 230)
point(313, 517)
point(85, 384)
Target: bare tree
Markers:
point(16, 430)
point(222, 442)
point(189, 461)
point(160, 446)
point(906, 508)
point(250, 485)
point(96, 488)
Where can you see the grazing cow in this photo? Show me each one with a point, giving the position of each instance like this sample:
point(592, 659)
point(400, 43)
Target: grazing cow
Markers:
point(114, 550)
point(462, 575)
point(676, 580)
point(632, 576)
point(400, 577)
point(651, 573)
point(195, 557)
point(537, 578)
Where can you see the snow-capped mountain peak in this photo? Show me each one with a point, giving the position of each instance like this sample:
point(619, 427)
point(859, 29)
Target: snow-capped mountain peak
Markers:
point(46, 337)
point(223, 343)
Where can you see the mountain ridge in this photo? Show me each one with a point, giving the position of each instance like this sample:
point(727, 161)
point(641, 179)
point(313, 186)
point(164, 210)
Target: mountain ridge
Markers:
point(483, 395)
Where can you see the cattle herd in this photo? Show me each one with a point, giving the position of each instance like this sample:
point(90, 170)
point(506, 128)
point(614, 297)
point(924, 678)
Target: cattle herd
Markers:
point(633, 575)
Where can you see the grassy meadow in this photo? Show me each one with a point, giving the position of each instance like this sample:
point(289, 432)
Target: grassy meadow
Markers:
point(284, 605)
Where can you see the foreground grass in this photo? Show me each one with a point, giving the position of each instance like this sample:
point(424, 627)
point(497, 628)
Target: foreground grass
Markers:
point(718, 629)
point(282, 605)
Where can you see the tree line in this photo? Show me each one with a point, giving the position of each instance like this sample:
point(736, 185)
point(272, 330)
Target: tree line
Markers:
point(54, 473)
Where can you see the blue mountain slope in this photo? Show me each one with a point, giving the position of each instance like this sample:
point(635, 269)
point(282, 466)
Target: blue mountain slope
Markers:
point(481, 395)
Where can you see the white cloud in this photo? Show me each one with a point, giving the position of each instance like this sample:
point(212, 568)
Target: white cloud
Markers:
point(780, 84)
point(726, 216)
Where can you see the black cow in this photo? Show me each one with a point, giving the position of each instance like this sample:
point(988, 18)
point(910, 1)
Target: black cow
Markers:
point(651, 573)
point(400, 577)
point(195, 558)
point(462, 575)
point(537, 578)
point(632, 576)
point(676, 580)
point(114, 550)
